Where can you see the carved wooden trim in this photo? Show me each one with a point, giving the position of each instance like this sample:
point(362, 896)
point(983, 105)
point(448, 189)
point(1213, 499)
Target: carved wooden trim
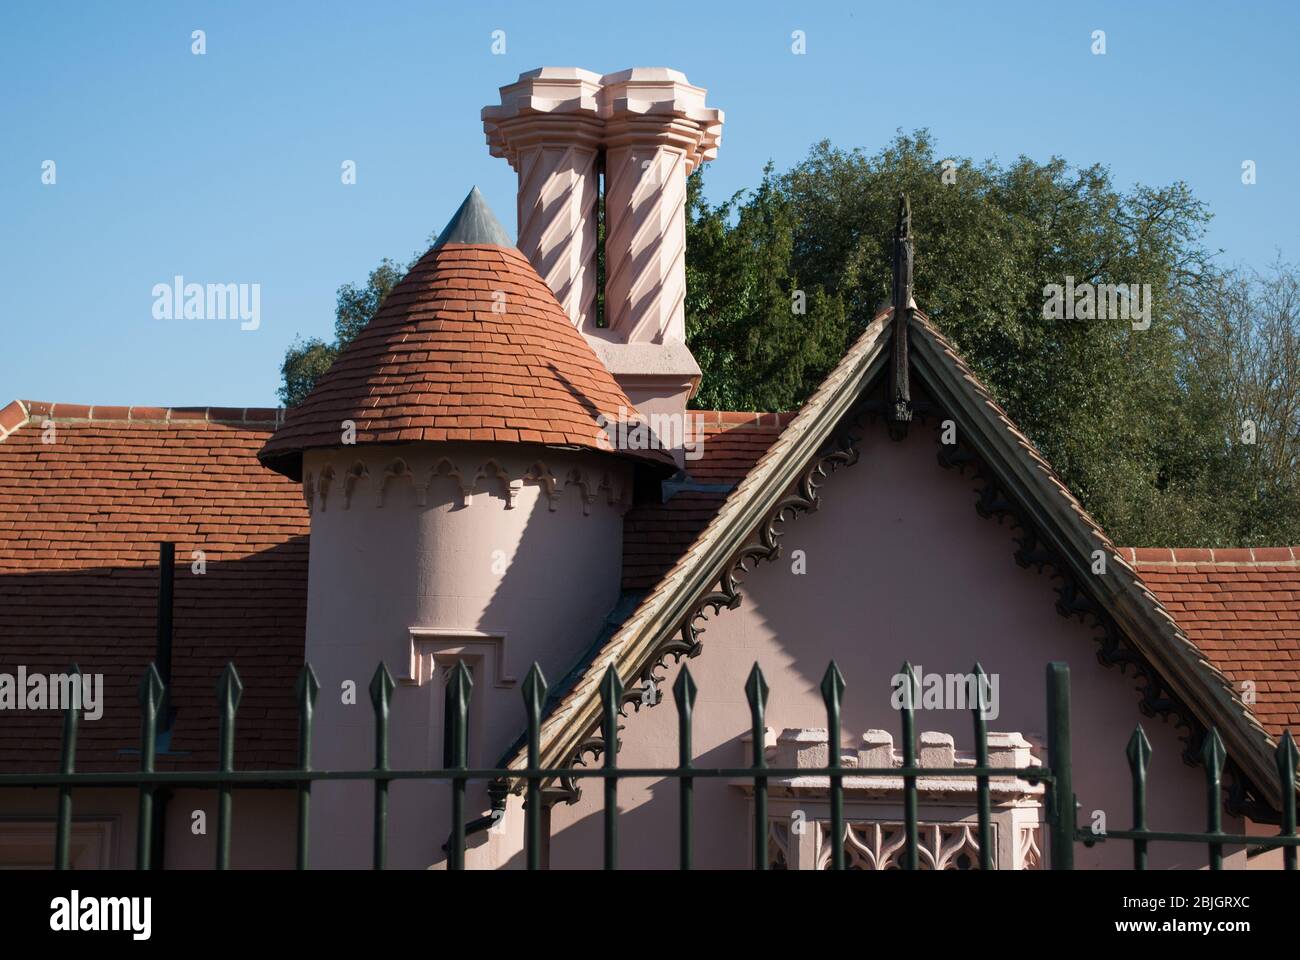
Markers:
point(1075, 600)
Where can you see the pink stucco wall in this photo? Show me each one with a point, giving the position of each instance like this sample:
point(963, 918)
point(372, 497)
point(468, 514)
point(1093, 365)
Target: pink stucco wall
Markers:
point(899, 567)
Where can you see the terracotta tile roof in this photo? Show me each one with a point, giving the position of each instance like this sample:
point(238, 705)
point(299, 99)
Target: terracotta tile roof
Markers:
point(655, 535)
point(733, 442)
point(440, 363)
point(80, 520)
point(1242, 608)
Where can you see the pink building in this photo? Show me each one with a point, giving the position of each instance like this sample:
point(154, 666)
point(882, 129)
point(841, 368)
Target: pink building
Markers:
point(497, 473)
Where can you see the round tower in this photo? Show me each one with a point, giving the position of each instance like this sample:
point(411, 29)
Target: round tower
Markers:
point(466, 504)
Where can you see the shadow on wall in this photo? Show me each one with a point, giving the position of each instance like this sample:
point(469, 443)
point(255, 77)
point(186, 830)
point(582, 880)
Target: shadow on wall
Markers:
point(251, 610)
point(544, 576)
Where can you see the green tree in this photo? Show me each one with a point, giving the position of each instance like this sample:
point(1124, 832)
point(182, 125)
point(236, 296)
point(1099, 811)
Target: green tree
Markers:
point(1134, 420)
point(763, 340)
point(306, 360)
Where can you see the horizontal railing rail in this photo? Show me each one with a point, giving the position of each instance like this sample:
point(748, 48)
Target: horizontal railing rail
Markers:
point(1055, 776)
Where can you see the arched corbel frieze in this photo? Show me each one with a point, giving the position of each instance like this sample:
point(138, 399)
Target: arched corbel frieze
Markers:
point(493, 471)
point(541, 475)
point(396, 471)
point(323, 484)
point(354, 476)
point(443, 469)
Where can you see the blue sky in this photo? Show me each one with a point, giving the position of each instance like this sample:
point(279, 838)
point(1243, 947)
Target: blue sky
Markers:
point(225, 167)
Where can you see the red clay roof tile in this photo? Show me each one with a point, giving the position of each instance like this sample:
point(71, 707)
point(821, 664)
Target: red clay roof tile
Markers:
point(656, 534)
point(1242, 608)
point(80, 520)
point(469, 330)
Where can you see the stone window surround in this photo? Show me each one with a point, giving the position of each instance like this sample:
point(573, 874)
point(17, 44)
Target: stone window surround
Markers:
point(947, 818)
point(435, 651)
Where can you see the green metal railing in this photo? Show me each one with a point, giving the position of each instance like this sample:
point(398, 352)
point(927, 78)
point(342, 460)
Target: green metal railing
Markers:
point(1059, 801)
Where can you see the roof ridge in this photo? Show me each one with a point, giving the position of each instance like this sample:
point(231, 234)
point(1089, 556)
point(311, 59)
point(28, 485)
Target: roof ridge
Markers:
point(739, 419)
point(13, 416)
point(138, 413)
point(1236, 556)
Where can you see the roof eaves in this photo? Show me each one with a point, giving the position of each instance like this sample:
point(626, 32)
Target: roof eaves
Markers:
point(1219, 556)
point(13, 416)
point(1060, 515)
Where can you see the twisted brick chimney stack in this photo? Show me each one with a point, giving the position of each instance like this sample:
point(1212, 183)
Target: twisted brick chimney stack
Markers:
point(645, 129)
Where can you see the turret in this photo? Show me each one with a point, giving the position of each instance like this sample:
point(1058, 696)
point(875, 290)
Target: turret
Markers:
point(466, 504)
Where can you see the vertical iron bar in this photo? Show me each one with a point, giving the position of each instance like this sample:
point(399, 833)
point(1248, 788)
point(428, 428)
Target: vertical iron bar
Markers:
point(1212, 754)
point(67, 764)
point(307, 689)
point(459, 688)
point(381, 695)
point(756, 692)
point(1139, 755)
point(1062, 806)
point(611, 696)
point(229, 692)
point(910, 852)
point(151, 699)
point(833, 697)
point(163, 653)
point(984, 802)
point(1286, 765)
point(534, 697)
point(684, 693)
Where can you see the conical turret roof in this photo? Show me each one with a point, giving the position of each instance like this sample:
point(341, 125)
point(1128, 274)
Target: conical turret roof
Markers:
point(470, 345)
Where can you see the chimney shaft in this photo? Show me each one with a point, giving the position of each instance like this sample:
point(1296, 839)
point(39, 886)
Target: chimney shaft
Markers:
point(657, 130)
point(547, 127)
point(653, 129)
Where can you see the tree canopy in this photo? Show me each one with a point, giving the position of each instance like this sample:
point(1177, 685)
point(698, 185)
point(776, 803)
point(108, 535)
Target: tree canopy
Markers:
point(1183, 433)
